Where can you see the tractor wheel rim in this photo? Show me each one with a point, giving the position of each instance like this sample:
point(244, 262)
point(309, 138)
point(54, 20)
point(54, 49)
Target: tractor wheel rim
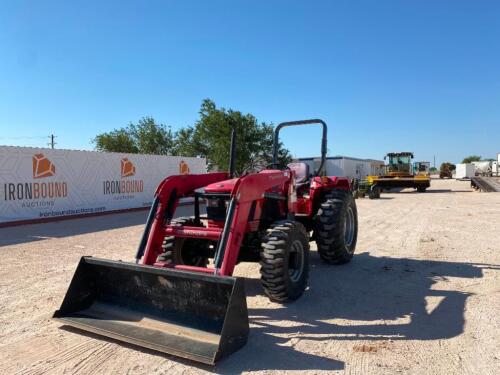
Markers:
point(296, 261)
point(349, 227)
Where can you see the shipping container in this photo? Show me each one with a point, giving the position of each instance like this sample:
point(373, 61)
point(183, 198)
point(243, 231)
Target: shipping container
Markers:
point(346, 166)
point(464, 171)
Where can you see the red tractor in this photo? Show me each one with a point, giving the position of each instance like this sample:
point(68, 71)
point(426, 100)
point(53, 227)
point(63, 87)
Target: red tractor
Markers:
point(176, 300)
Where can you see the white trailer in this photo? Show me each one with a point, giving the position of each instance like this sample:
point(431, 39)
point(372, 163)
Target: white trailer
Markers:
point(348, 167)
point(464, 171)
point(345, 166)
point(377, 167)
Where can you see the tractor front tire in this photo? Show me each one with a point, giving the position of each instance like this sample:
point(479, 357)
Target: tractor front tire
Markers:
point(285, 261)
point(183, 250)
point(374, 192)
point(421, 189)
point(336, 227)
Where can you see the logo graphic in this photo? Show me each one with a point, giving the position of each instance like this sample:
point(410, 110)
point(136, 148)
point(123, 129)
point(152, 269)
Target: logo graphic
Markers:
point(37, 192)
point(128, 169)
point(183, 167)
point(124, 188)
point(42, 167)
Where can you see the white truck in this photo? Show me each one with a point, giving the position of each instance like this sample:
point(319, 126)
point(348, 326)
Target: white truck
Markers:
point(482, 168)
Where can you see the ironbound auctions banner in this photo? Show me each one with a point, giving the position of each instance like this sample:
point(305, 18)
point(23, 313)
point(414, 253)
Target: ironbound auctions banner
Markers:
point(38, 183)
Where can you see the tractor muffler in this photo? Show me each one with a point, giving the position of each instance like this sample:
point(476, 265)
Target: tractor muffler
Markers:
point(192, 315)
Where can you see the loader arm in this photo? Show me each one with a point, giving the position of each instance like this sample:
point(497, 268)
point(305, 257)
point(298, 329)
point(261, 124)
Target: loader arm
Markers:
point(247, 190)
point(167, 197)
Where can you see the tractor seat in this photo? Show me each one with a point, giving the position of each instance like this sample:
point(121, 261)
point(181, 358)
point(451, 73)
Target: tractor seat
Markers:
point(301, 172)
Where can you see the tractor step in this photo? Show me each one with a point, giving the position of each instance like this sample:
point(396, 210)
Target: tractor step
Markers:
point(191, 315)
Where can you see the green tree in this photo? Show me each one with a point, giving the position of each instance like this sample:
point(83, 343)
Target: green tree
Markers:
point(211, 137)
point(471, 158)
point(119, 140)
point(152, 138)
point(145, 137)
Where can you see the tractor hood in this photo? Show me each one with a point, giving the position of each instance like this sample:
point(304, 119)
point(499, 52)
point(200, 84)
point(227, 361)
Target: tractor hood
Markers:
point(225, 186)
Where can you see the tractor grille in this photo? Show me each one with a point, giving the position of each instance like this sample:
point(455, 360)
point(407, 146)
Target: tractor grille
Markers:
point(217, 207)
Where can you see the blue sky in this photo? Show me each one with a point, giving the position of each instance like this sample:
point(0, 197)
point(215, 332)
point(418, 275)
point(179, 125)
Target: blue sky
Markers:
point(420, 76)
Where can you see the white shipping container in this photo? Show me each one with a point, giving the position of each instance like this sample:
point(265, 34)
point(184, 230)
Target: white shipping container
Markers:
point(344, 166)
point(377, 167)
point(464, 171)
point(348, 167)
point(334, 167)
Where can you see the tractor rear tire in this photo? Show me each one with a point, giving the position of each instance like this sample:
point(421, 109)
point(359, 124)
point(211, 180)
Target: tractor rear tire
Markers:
point(421, 189)
point(336, 227)
point(183, 250)
point(285, 261)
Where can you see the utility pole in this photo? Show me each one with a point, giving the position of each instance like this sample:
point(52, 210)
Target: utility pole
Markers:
point(52, 143)
point(434, 161)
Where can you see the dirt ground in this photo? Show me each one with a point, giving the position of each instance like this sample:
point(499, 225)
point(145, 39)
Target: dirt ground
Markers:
point(421, 296)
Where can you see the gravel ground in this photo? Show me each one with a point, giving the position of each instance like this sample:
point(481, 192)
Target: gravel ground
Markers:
point(420, 296)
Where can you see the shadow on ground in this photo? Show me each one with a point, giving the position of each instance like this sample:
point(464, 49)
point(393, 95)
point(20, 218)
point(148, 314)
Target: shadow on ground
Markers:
point(74, 227)
point(379, 298)
point(431, 191)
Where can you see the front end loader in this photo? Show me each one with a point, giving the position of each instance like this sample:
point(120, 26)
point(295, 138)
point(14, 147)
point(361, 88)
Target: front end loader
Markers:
point(180, 296)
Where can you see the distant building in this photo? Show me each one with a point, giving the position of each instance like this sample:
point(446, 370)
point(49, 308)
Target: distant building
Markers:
point(346, 166)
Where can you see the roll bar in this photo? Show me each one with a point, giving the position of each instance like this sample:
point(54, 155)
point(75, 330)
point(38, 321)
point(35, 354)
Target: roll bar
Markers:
point(295, 123)
point(232, 153)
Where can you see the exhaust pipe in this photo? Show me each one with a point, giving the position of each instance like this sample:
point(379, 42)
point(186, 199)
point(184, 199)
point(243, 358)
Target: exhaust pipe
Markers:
point(196, 316)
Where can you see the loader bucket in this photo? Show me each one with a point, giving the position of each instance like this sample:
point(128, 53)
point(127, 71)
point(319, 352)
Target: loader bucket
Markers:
point(197, 316)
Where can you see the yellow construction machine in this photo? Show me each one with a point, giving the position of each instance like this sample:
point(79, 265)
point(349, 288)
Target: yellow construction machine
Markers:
point(399, 172)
